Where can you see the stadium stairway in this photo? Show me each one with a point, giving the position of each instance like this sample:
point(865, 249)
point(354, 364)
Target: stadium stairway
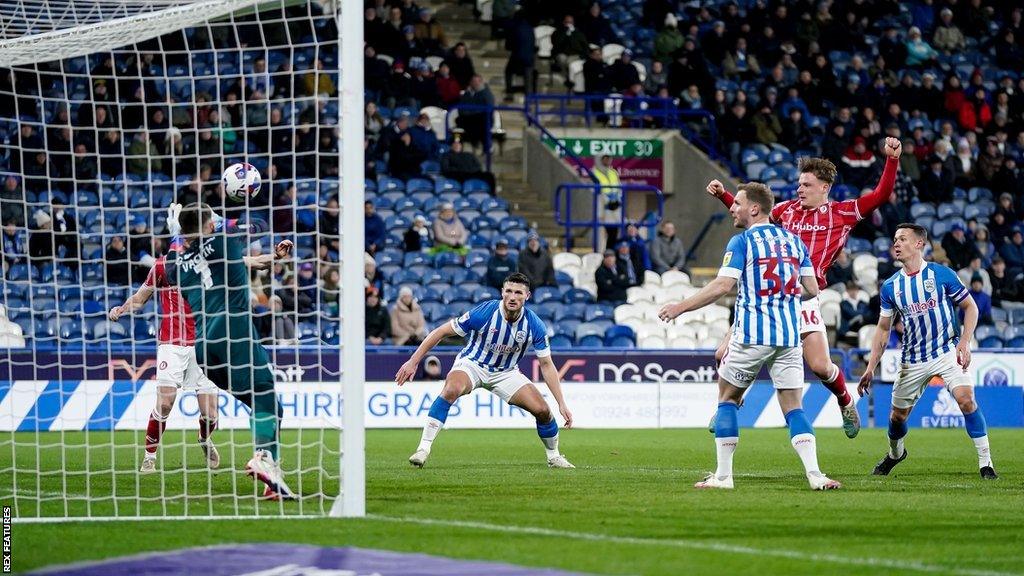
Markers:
point(489, 58)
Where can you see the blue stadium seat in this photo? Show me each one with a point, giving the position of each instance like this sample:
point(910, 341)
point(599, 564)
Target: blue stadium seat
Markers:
point(881, 246)
point(547, 309)
point(948, 210)
point(1013, 337)
point(419, 185)
point(618, 332)
point(475, 185)
point(563, 278)
point(858, 245)
point(107, 329)
point(389, 184)
point(456, 294)
point(978, 193)
point(145, 330)
point(430, 167)
point(444, 259)
point(921, 209)
point(590, 341)
point(576, 310)
point(406, 276)
point(483, 223)
point(749, 155)
point(307, 333)
point(546, 293)
point(45, 328)
point(577, 295)
point(331, 334)
point(489, 205)
point(417, 259)
point(598, 312)
point(589, 329)
point(988, 337)
point(486, 293)
point(512, 223)
point(478, 256)
point(406, 204)
point(560, 341)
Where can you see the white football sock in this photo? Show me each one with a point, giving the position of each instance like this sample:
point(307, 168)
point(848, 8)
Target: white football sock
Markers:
point(726, 448)
point(551, 446)
point(807, 448)
point(895, 448)
point(984, 456)
point(430, 431)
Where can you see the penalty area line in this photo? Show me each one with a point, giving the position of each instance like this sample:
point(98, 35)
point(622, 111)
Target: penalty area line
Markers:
point(901, 565)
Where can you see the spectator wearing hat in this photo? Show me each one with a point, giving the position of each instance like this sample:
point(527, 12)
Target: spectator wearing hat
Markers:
point(499, 265)
point(398, 88)
point(976, 268)
point(12, 202)
point(475, 122)
point(536, 263)
point(448, 88)
point(567, 43)
point(374, 228)
point(412, 49)
point(417, 236)
point(937, 182)
point(521, 43)
point(667, 250)
point(424, 140)
point(983, 300)
point(450, 235)
point(116, 261)
point(626, 262)
point(623, 73)
point(378, 323)
point(596, 27)
point(408, 326)
point(306, 285)
point(638, 252)
point(766, 124)
point(372, 278)
point(858, 163)
point(1013, 252)
point(947, 37)
point(715, 42)
point(739, 64)
point(460, 165)
point(611, 279)
point(919, 53)
point(424, 87)
point(597, 80)
point(959, 250)
point(461, 65)
point(430, 32)
point(668, 40)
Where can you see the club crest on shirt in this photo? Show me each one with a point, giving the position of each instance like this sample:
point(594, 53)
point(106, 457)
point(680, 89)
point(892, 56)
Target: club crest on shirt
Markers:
point(929, 285)
point(521, 336)
point(727, 258)
point(823, 209)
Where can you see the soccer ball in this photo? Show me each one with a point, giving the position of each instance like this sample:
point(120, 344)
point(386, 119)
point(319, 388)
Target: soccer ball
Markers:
point(241, 180)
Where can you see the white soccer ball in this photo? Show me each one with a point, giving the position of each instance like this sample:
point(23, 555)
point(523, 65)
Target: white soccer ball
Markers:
point(241, 181)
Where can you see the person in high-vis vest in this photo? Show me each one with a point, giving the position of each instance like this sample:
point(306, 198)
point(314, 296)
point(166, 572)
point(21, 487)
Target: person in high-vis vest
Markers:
point(610, 202)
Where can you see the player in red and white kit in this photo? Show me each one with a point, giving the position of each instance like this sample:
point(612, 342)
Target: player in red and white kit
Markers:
point(824, 226)
point(176, 365)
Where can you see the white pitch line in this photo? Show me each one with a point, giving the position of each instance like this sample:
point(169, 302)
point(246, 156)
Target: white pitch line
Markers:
point(903, 565)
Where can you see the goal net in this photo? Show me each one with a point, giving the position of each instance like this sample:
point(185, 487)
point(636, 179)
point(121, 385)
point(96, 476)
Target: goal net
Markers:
point(110, 111)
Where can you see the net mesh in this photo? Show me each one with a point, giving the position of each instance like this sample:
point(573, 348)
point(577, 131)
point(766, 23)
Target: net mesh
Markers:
point(109, 112)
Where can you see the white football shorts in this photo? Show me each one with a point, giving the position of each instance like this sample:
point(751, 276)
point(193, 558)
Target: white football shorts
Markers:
point(504, 384)
point(810, 317)
point(914, 378)
point(177, 366)
point(742, 362)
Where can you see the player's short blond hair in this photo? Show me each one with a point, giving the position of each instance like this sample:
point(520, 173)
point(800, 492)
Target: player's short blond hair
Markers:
point(822, 169)
point(758, 194)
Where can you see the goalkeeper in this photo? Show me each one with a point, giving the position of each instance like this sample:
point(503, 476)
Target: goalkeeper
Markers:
point(207, 263)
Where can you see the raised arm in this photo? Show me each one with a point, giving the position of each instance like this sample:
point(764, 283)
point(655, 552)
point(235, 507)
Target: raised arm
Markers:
point(408, 370)
point(887, 183)
point(717, 189)
point(712, 291)
point(138, 300)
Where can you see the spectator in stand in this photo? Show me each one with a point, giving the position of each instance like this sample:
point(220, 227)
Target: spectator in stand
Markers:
point(461, 65)
point(597, 28)
point(989, 162)
point(858, 164)
point(372, 278)
point(502, 12)
point(398, 88)
point(143, 156)
point(795, 134)
point(12, 202)
point(460, 165)
point(408, 326)
point(610, 200)
point(611, 279)
point(975, 114)
point(919, 53)
point(475, 122)
point(737, 130)
point(739, 64)
point(637, 249)
point(568, 43)
point(330, 293)
point(417, 236)
point(284, 323)
point(424, 87)
point(404, 158)
point(623, 73)
point(306, 284)
point(500, 265)
point(374, 123)
point(853, 309)
point(1004, 287)
point(374, 228)
point(116, 260)
point(424, 140)
point(140, 248)
point(450, 235)
point(15, 249)
point(375, 73)
point(411, 47)
point(85, 167)
point(668, 40)
point(983, 300)
point(657, 79)
point(975, 268)
point(767, 126)
point(430, 32)
point(1013, 252)
point(448, 88)
point(841, 271)
point(958, 248)
point(948, 38)
point(626, 262)
point(318, 81)
point(894, 212)
point(1009, 53)
point(667, 250)
point(521, 43)
point(536, 263)
point(391, 39)
point(597, 80)
point(936, 184)
point(65, 235)
point(986, 250)
point(378, 323)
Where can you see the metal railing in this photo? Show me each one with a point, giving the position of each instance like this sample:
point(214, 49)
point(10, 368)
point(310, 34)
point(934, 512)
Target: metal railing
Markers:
point(564, 202)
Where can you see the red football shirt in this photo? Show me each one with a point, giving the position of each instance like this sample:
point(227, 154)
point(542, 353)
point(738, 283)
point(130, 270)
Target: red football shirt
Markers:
point(176, 324)
point(825, 229)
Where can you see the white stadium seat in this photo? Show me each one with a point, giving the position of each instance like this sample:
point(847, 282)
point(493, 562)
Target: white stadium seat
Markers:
point(673, 331)
point(865, 335)
point(829, 295)
point(574, 271)
point(638, 294)
point(673, 277)
point(683, 343)
point(563, 259)
point(649, 330)
point(652, 343)
point(543, 34)
point(626, 311)
point(865, 262)
point(592, 261)
point(714, 312)
point(651, 278)
point(830, 314)
point(611, 52)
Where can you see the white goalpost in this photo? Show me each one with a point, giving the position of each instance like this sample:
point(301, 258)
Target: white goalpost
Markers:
point(110, 111)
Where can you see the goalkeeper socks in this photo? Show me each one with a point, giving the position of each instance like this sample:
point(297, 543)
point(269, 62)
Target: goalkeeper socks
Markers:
point(801, 436)
point(977, 429)
point(265, 422)
point(435, 420)
point(727, 437)
point(206, 427)
point(154, 430)
point(897, 430)
point(549, 436)
point(836, 384)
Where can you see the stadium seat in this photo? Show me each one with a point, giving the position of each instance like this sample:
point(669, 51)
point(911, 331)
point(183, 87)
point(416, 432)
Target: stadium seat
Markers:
point(563, 259)
point(590, 341)
point(1013, 337)
point(577, 295)
point(988, 337)
point(546, 293)
point(574, 311)
point(560, 341)
point(618, 332)
point(598, 312)
point(948, 210)
point(475, 185)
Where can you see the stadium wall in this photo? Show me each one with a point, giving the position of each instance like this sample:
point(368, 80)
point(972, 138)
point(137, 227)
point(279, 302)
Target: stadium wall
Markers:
point(605, 390)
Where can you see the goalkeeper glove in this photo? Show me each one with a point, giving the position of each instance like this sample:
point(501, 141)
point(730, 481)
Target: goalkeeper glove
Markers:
point(173, 226)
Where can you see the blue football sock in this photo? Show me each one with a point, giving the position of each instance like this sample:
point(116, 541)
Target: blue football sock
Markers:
point(798, 424)
point(727, 423)
point(439, 409)
point(975, 423)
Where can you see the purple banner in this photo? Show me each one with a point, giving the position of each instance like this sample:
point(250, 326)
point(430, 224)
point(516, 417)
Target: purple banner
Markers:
point(310, 365)
point(288, 559)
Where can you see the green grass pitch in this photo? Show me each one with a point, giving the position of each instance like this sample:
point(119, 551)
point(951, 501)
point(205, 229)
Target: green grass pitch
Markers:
point(628, 509)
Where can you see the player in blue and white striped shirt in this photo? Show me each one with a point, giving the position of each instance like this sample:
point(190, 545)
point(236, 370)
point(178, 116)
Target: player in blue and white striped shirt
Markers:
point(770, 264)
point(499, 333)
point(923, 294)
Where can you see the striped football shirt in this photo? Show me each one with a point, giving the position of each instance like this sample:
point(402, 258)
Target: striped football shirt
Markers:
point(767, 261)
point(925, 300)
point(497, 344)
